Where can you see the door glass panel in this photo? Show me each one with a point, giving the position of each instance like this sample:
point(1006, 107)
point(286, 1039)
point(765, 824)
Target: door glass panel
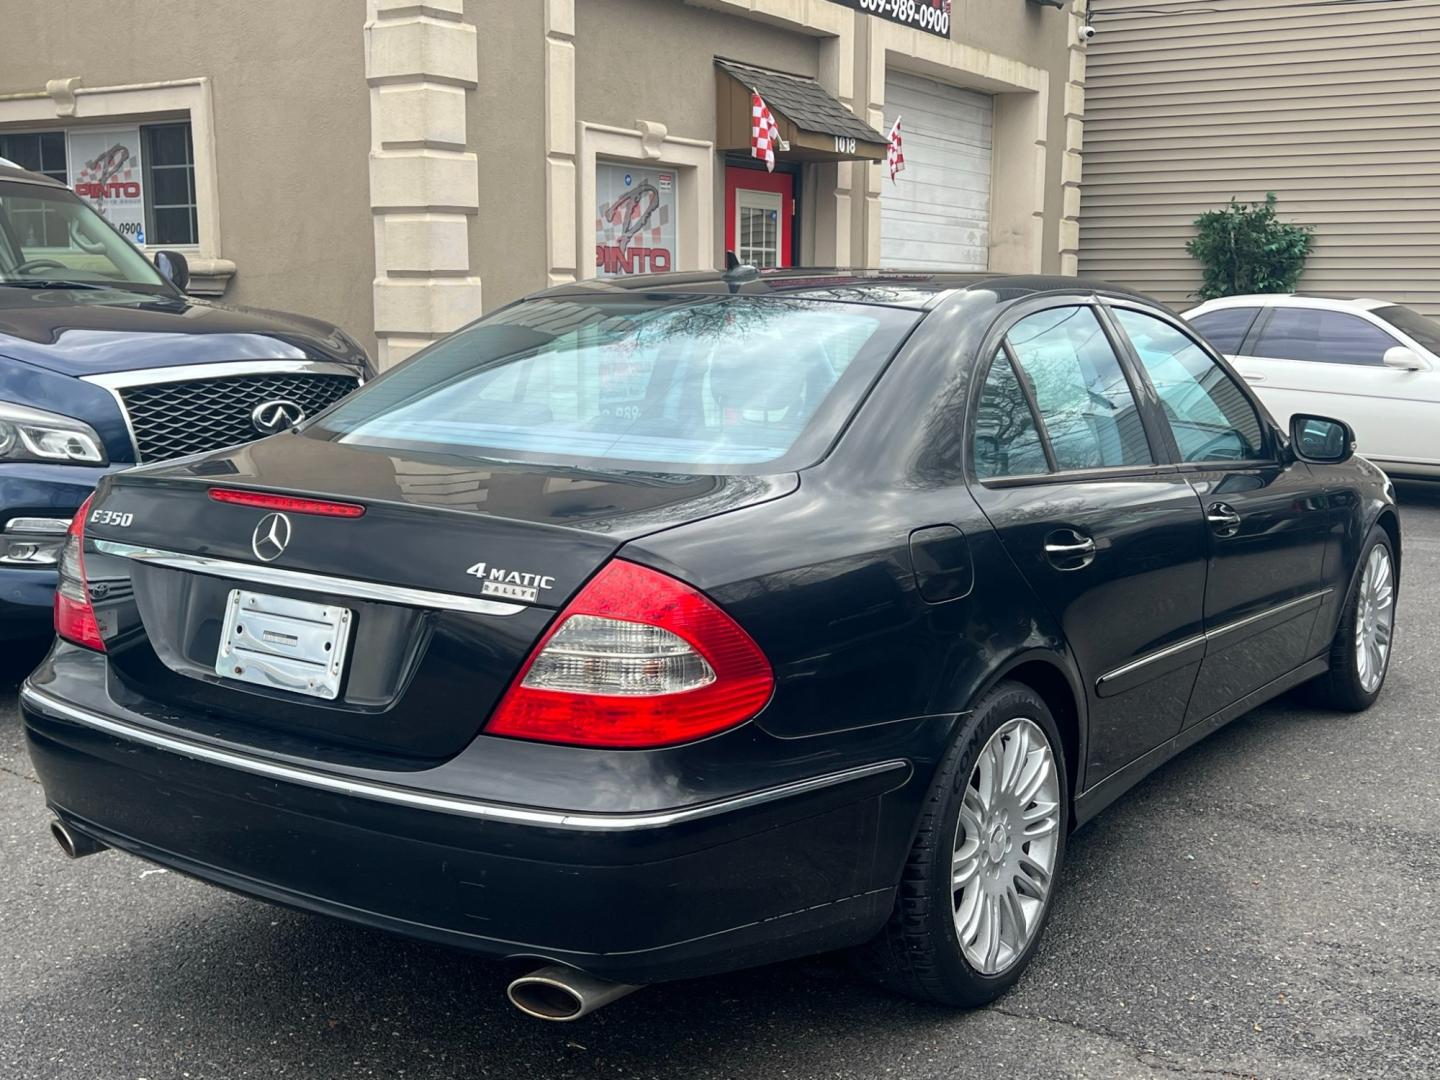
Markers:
point(1085, 403)
point(1006, 442)
point(1225, 328)
point(1329, 337)
point(1211, 417)
point(757, 224)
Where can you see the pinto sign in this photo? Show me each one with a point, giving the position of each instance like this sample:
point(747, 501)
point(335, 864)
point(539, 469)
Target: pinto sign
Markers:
point(105, 172)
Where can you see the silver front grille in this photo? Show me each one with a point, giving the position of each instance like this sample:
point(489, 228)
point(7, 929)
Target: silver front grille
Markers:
point(172, 419)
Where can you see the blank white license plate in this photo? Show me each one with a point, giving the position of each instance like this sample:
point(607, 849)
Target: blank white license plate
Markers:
point(284, 644)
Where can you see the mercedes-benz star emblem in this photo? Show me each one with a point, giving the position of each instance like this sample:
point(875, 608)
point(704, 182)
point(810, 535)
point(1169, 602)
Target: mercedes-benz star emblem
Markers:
point(272, 537)
point(270, 417)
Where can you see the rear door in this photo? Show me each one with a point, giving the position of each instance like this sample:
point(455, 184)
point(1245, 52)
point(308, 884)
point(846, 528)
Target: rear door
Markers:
point(1267, 515)
point(1111, 540)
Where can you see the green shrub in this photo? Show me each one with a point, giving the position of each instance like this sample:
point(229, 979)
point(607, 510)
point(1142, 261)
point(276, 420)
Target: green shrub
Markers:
point(1246, 249)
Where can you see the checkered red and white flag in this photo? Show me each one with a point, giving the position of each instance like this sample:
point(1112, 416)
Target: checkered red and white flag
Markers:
point(895, 153)
point(764, 135)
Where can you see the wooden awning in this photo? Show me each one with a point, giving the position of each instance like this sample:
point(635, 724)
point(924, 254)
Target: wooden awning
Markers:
point(810, 119)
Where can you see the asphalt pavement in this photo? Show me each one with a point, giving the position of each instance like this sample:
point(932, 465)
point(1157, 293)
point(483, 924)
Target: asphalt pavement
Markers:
point(1265, 905)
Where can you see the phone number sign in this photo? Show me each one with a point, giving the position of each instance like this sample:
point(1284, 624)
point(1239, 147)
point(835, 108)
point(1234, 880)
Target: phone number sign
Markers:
point(931, 16)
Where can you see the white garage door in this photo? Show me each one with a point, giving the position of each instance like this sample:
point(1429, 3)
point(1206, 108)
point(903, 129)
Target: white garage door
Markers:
point(936, 215)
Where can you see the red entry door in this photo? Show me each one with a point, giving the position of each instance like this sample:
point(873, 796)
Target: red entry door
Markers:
point(758, 215)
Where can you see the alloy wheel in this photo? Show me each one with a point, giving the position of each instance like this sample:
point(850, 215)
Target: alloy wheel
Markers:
point(1006, 844)
point(1374, 618)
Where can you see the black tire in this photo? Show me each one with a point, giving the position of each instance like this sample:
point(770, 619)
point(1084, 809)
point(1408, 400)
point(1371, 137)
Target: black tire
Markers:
point(1341, 687)
point(919, 953)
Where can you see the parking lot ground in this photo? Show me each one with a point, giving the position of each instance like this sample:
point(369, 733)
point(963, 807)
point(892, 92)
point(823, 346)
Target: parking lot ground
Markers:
point(1266, 905)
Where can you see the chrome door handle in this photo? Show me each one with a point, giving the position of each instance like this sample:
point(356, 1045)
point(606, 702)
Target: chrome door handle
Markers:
point(1074, 553)
point(1223, 519)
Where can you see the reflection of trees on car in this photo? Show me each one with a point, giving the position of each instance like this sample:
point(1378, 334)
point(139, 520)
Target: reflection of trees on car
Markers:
point(1210, 417)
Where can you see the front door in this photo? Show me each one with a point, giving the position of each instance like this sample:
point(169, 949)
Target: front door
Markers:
point(1109, 537)
point(759, 213)
point(1268, 517)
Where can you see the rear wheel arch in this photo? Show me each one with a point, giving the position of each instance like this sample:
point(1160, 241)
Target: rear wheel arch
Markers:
point(1048, 673)
point(1058, 690)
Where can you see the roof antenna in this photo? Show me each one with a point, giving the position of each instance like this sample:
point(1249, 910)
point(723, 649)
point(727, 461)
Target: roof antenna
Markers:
point(737, 273)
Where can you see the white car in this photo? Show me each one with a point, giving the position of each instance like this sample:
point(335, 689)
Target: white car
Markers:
point(1371, 363)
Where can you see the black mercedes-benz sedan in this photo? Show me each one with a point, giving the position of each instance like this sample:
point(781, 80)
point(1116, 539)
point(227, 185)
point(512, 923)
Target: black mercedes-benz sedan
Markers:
point(657, 628)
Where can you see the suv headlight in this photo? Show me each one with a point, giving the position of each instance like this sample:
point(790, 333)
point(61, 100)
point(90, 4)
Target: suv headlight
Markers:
point(28, 434)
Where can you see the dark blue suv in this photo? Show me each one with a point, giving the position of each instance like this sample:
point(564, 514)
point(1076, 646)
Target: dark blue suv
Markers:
point(105, 362)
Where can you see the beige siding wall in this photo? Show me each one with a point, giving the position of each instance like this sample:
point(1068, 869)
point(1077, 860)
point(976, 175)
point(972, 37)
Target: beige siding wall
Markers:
point(291, 115)
point(1336, 109)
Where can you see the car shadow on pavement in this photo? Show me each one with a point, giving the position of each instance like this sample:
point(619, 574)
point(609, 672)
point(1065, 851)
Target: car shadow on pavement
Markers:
point(275, 988)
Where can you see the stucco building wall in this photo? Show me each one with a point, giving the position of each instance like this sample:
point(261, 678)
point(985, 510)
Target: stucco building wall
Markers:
point(289, 112)
point(400, 166)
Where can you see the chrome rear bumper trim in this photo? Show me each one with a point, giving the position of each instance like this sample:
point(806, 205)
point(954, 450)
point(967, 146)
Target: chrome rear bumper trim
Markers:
point(449, 804)
point(308, 582)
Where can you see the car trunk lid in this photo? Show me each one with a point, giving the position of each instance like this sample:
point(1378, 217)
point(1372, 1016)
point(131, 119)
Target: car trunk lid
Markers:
point(446, 582)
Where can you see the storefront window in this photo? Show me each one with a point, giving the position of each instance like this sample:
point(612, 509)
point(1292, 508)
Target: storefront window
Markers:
point(38, 224)
point(170, 184)
point(636, 220)
point(758, 222)
point(139, 178)
point(38, 151)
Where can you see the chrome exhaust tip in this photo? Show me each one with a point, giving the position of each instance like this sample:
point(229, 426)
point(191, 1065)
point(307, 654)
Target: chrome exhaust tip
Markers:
point(75, 844)
point(561, 993)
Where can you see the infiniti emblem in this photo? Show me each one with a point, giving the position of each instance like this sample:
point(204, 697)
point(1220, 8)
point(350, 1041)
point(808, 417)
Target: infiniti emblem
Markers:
point(270, 417)
point(272, 537)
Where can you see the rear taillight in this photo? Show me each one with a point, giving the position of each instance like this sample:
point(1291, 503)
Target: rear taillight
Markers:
point(637, 659)
point(74, 614)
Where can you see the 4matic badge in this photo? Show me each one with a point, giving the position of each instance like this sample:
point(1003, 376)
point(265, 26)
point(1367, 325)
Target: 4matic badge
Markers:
point(510, 584)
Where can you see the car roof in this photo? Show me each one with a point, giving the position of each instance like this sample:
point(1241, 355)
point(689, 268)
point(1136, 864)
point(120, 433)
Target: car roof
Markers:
point(10, 171)
point(1307, 300)
point(917, 289)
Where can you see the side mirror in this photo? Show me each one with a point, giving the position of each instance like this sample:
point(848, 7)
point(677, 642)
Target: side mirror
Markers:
point(175, 267)
point(1321, 439)
point(1405, 359)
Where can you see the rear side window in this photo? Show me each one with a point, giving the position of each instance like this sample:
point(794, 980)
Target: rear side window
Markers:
point(733, 384)
point(1328, 337)
point(1424, 330)
point(1210, 416)
point(1225, 328)
point(1006, 441)
point(1085, 403)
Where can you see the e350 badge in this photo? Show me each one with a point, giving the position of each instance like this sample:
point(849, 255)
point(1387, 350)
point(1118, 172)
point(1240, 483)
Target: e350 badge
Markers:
point(510, 584)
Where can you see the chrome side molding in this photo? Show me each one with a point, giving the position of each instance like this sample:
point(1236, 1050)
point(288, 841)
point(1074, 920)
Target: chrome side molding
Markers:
point(1114, 681)
point(307, 581)
point(421, 800)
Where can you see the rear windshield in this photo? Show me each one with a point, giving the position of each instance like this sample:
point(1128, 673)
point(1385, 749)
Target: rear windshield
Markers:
point(736, 384)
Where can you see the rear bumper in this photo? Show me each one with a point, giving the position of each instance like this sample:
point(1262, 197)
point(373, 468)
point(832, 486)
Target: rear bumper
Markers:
point(748, 879)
